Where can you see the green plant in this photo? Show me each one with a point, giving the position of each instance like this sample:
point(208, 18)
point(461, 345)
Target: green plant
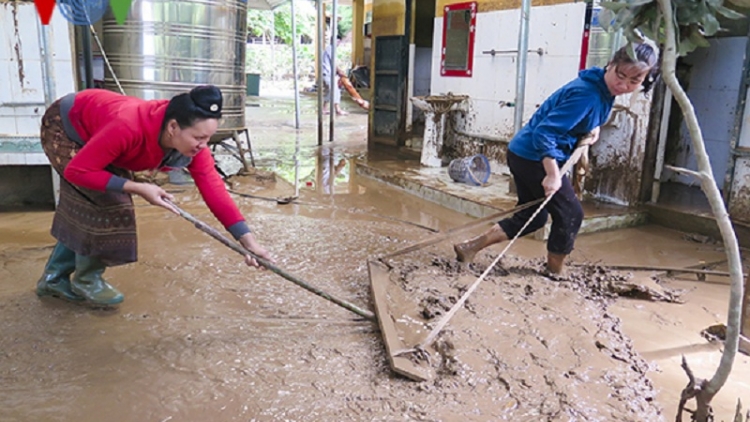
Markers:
point(275, 62)
point(694, 20)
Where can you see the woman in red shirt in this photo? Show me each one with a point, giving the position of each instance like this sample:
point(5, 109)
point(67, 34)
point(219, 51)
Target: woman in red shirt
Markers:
point(94, 139)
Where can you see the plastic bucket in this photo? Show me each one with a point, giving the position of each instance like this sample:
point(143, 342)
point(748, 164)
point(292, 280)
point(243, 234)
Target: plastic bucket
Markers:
point(474, 170)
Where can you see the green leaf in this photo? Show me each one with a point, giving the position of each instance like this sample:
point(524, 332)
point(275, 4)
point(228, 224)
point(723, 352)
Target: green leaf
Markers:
point(634, 3)
point(685, 46)
point(605, 18)
point(729, 13)
point(690, 13)
point(710, 24)
point(698, 39)
point(624, 17)
point(634, 37)
point(648, 32)
point(614, 6)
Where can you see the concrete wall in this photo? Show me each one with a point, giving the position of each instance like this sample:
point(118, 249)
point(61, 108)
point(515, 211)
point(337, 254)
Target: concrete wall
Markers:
point(556, 29)
point(617, 159)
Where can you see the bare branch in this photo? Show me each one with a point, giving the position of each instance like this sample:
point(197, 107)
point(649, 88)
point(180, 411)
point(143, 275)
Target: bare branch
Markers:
point(688, 392)
point(738, 412)
point(683, 170)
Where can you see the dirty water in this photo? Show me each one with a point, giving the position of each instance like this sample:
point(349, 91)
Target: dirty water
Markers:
point(202, 337)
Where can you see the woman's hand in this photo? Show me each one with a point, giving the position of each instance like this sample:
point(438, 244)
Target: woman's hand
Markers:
point(551, 184)
point(590, 138)
point(248, 241)
point(153, 194)
point(553, 180)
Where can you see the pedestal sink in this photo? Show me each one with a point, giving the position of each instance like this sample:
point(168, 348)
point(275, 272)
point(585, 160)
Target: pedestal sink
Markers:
point(435, 108)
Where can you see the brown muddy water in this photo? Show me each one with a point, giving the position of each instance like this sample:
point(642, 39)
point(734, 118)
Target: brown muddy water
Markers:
point(202, 337)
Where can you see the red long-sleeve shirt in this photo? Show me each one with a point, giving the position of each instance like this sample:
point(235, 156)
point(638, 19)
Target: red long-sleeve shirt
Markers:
point(124, 131)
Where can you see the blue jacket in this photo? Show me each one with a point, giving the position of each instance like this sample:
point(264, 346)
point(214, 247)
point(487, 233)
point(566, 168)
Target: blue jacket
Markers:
point(569, 113)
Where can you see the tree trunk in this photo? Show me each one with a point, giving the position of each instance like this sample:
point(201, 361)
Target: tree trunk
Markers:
point(709, 389)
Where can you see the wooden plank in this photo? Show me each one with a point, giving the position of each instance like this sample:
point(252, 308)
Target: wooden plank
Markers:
point(379, 281)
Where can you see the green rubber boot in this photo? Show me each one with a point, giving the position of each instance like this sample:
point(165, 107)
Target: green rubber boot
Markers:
point(88, 282)
point(56, 278)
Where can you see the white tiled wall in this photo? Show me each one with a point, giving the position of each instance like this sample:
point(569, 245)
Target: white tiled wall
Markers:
point(556, 29)
point(22, 101)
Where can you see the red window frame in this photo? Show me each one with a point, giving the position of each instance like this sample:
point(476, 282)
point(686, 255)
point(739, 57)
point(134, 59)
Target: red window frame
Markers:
point(472, 6)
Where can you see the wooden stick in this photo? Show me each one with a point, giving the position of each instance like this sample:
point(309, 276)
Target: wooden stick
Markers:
point(242, 251)
point(455, 230)
point(660, 269)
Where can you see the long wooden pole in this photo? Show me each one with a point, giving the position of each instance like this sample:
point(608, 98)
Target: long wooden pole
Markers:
point(242, 251)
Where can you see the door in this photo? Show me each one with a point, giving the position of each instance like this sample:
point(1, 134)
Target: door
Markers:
point(388, 91)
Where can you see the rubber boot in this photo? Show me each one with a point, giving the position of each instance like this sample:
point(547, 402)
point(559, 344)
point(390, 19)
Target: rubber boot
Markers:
point(55, 281)
point(465, 251)
point(88, 282)
point(556, 263)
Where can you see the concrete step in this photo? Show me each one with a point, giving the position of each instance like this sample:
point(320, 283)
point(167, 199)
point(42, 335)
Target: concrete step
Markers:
point(435, 185)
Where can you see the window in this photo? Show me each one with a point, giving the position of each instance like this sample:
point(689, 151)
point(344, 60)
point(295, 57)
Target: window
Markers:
point(459, 28)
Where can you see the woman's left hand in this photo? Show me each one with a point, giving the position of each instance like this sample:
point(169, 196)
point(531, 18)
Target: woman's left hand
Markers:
point(590, 138)
point(248, 241)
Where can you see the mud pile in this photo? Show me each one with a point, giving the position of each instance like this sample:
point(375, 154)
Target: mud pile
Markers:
point(530, 348)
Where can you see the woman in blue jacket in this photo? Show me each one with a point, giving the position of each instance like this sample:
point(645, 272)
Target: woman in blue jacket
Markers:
point(540, 148)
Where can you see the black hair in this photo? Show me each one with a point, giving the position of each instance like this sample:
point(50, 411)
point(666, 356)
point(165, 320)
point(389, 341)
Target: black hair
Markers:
point(202, 102)
point(644, 56)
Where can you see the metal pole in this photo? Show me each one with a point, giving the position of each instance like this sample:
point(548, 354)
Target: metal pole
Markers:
point(50, 88)
point(523, 47)
point(48, 69)
point(295, 70)
point(319, 73)
point(88, 57)
point(334, 31)
point(296, 163)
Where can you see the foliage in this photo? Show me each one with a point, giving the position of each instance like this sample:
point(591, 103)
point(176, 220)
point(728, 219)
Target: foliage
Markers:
point(259, 23)
point(265, 23)
point(275, 62)
point(694, 20)
point(344, 18)
point(305, 14)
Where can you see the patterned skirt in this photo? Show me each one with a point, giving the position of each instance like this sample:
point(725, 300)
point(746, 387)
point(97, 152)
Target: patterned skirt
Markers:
point(96, 224)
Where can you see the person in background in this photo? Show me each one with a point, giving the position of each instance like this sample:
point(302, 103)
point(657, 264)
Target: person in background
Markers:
point(334, 93)
point(541, 147)
point(94, 139)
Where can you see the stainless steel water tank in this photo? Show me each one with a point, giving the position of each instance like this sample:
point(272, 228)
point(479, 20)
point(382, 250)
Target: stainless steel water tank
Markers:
point(166, 47)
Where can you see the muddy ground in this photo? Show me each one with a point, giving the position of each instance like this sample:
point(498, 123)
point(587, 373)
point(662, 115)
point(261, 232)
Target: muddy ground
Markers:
point(529, 348)
point(202, 337)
